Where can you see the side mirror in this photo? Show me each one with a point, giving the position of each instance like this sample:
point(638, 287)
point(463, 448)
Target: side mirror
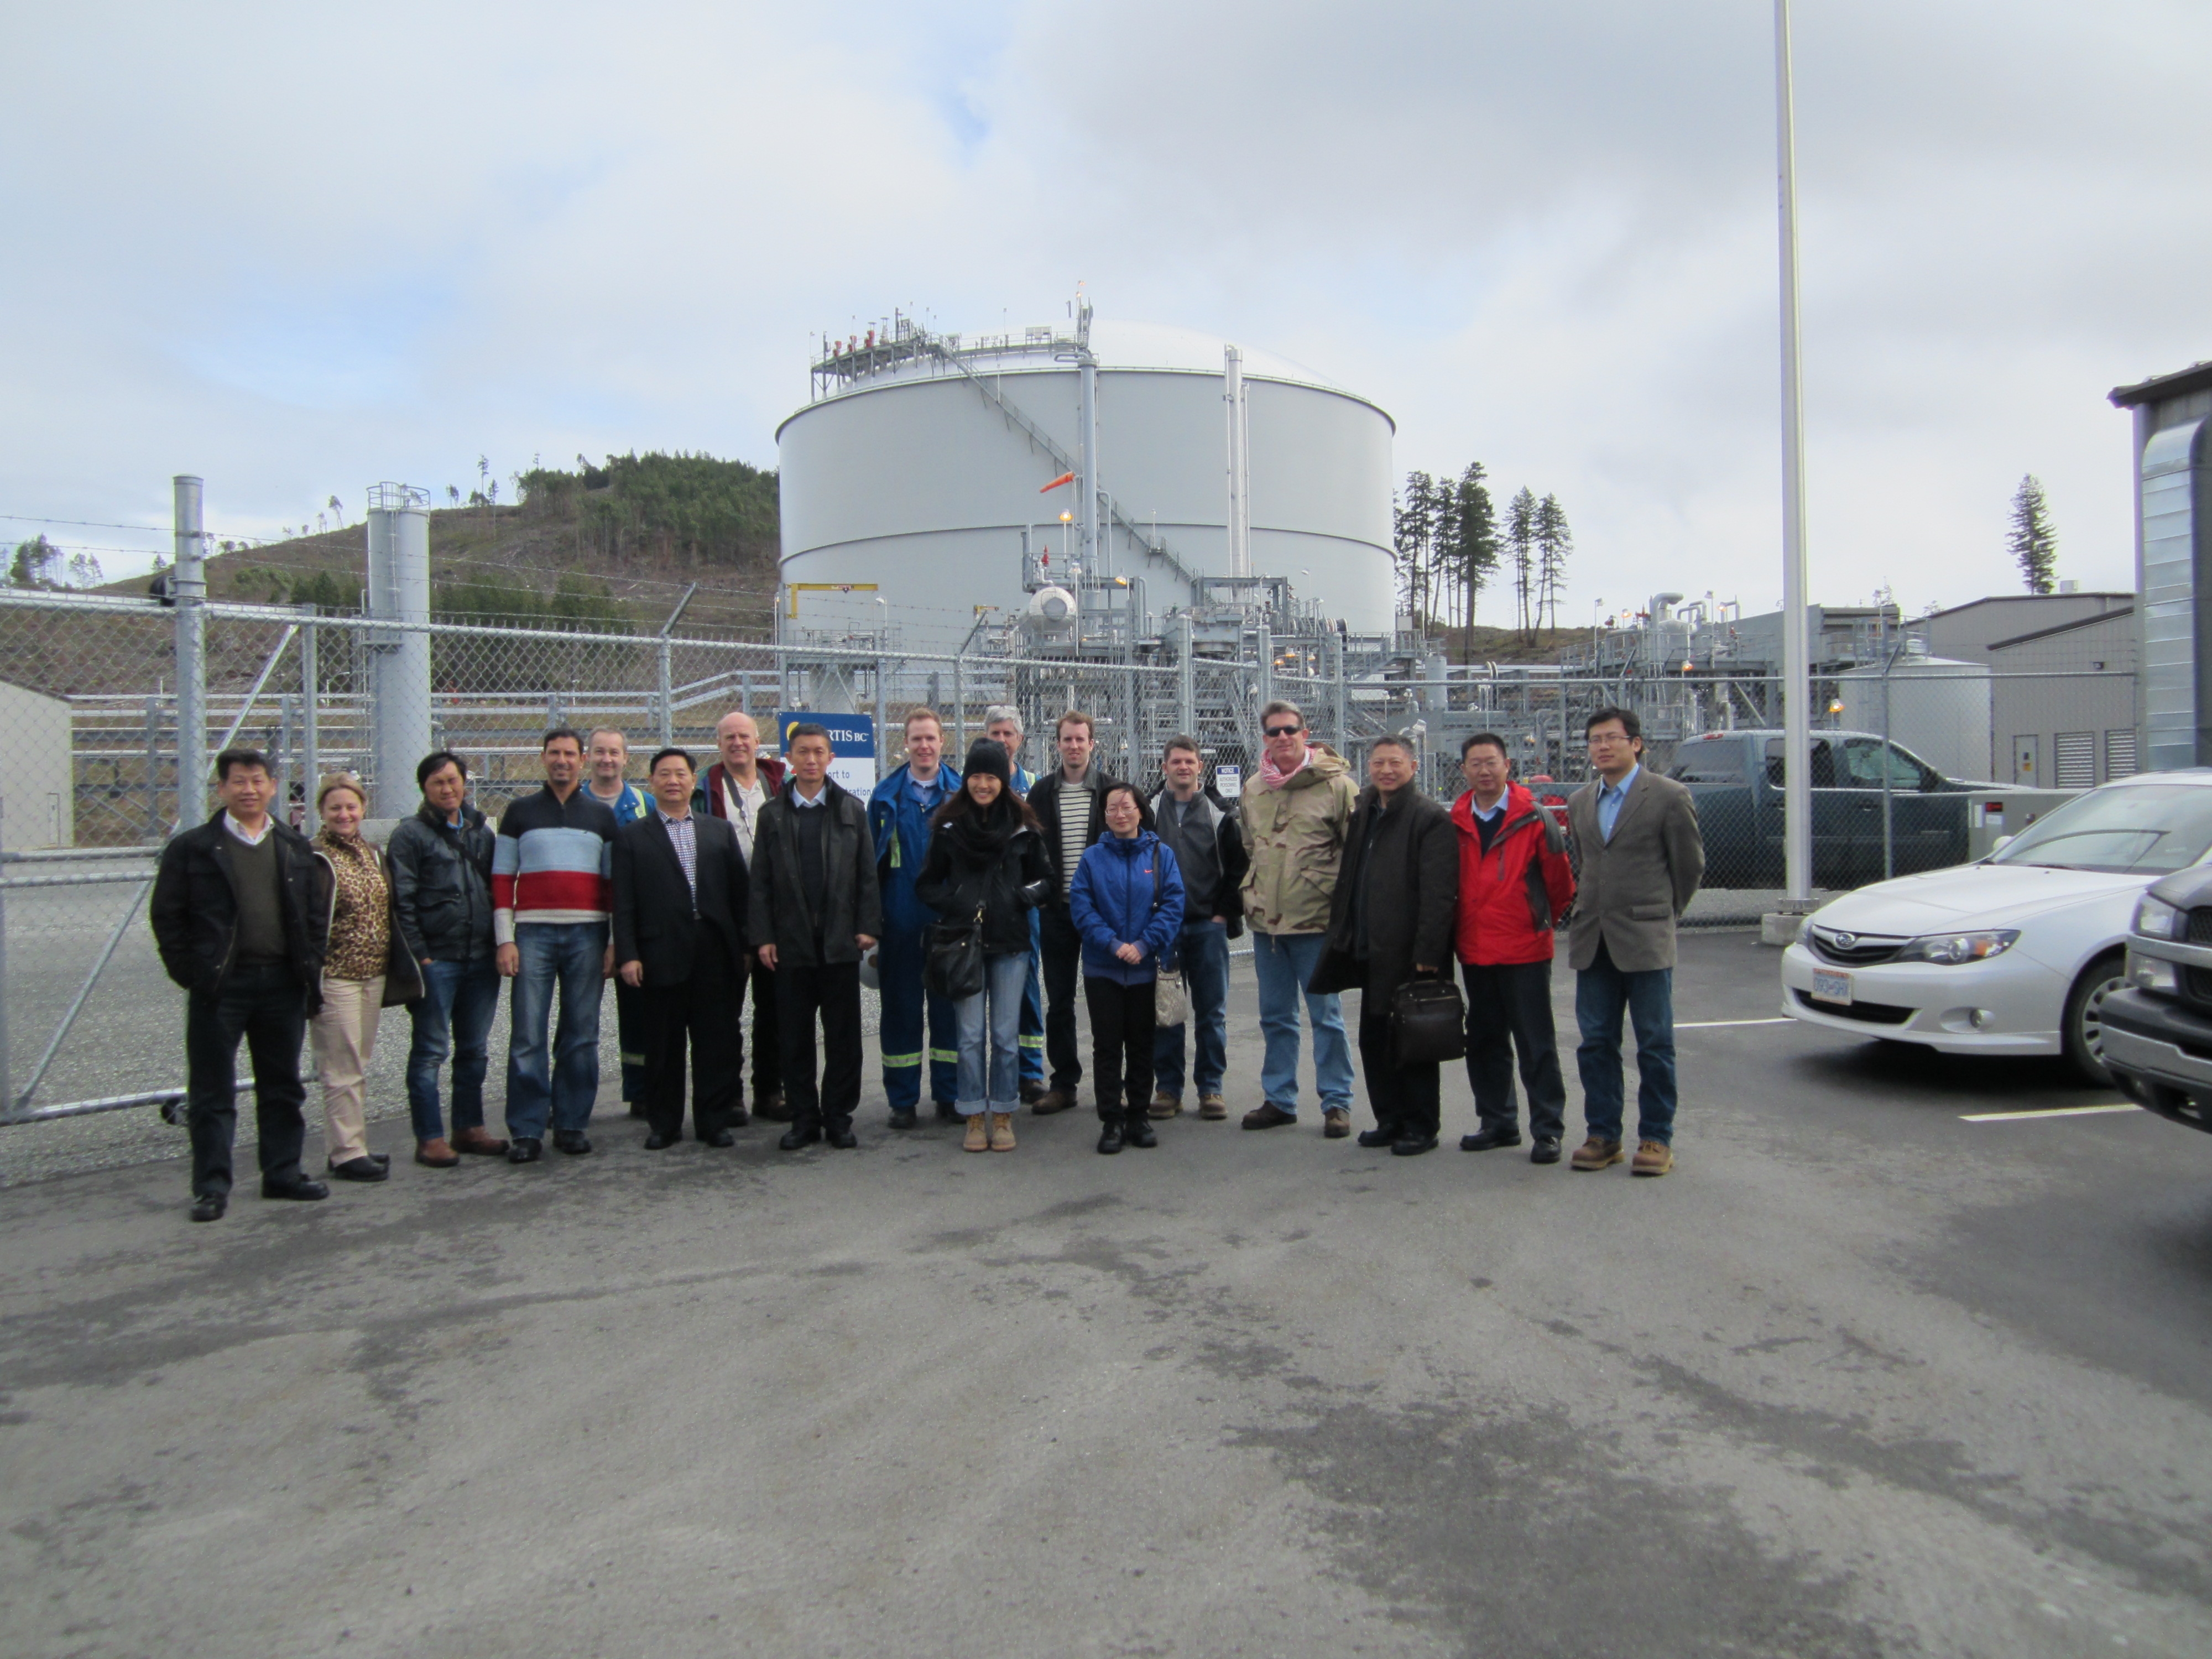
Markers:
point(2000, 844)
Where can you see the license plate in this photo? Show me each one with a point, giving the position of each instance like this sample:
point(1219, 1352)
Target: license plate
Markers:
point(1831, 988)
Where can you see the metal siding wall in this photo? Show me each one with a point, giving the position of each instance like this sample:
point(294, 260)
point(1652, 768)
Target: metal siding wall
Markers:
point(2170, 541)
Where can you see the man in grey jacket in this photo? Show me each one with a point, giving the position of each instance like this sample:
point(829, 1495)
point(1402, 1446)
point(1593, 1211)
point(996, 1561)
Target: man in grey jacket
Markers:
point(1642, 857)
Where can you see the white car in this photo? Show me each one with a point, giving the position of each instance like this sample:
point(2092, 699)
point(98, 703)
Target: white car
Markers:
point(2011, 956)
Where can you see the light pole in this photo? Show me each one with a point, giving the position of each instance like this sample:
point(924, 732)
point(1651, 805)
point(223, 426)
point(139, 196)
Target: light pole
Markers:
point(1796, 714)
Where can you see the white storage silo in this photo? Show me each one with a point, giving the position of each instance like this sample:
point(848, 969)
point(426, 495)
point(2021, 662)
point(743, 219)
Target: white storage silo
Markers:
point(919, 465)
point(1939, 708)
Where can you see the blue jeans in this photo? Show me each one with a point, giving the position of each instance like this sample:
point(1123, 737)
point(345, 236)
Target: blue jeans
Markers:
point(560, 1076)
point(990, 1036)
point(1602, 993)
point(1205, 953)
point(452, 1018)
point(1284, 962)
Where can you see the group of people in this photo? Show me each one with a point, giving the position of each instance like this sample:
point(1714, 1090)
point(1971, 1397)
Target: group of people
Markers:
point(974, 900)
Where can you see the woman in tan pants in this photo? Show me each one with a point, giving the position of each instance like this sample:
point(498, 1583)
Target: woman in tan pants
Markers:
point(361, 974)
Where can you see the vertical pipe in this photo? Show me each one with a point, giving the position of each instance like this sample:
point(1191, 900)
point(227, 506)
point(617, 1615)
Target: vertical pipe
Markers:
point(1340, 701)
point(1240, 463)
point(1094, 553)
point(188, 584)
point(1186, 679)
point(1264, 638)
point(311, 691)
point(1796, 652)
point(399, 529)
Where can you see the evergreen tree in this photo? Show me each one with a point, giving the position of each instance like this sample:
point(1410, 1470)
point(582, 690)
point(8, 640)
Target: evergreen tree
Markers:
point(1554, 541)
point(1475, 540)
point(1411, 538)
point(38, 563)
point(1520, 544)
point(2034, 542)
point(1443, 551)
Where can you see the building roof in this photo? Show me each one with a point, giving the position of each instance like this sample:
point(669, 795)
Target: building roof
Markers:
point(2016, 598)
point(2064, 628)
point(2162, 388)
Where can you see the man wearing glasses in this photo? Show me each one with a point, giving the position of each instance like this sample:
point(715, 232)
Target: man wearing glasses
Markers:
point(1296, 811)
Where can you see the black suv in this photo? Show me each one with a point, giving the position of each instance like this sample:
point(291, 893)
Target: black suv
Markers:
point(2158, 1032)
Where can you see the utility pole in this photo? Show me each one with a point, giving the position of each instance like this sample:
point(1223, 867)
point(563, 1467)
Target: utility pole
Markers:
point(188, 587)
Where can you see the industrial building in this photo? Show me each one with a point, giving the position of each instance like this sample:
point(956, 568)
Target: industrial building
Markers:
point(1128, 472)
point(2173, 564)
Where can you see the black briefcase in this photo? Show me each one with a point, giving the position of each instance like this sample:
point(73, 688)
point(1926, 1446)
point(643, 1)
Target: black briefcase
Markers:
point(1428, 1022)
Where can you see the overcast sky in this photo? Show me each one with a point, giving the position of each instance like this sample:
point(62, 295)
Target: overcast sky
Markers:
point(298, 252)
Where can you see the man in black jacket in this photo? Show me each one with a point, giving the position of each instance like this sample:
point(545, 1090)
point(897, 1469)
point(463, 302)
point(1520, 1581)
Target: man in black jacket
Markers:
point(1196, 825)
point(234, 916)
point(815, 909)
point(1069, 804)
point(441, 865)
point(680, 902)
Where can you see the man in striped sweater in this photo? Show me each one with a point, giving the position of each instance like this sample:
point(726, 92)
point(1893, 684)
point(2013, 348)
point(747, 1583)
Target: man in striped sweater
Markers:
point(551, 898)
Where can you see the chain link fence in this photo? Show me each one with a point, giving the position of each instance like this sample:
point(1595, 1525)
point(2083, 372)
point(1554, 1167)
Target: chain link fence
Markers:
point(91, 778)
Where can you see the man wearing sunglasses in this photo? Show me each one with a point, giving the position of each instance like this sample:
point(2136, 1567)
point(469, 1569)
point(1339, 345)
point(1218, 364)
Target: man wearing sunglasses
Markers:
point(1296, 811)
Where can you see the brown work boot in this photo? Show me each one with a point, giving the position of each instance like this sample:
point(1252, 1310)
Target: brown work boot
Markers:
point(1213, 1108)
point(481, 1140)
point(1653, 1158)
point(978, 1135)
point(1053, 1100)
point(1002, 1132)
point(1165, 1104)
point(436, 1153)
point(1267, 1116)
point(1595, 1154)
point(1336, 1123)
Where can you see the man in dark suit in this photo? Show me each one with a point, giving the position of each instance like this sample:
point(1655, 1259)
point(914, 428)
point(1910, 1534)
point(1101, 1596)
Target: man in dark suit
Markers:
point(1642, 857)
point(680, 900)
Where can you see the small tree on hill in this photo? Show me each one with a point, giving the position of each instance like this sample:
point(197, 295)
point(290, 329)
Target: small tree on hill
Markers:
point(2034, 542)
point(1520, 544)
point(1554, 541)
point(1475, 555)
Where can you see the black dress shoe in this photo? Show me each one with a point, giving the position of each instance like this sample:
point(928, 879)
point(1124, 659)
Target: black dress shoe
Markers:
point(361, 1169)
point(382, 1160)
point(1412, 1145)
point(902, 1120)
point(719, 1138)
point(572, 1142)
point(1489, 1139)
point(843, 1140)
point(770, 1108)
point(793, 1138)
point(299, 1187)
point(656, 1141)
point(1137, 1129)
point(947, 1112)
point(637, 1109)
point(1545, 1150)
point(1110, 1135)
point(525, 1149)
point(209, 1207)
point(1382, 1134)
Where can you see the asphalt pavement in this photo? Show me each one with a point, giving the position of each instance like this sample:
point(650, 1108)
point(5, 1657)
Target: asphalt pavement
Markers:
point(1861, 1376)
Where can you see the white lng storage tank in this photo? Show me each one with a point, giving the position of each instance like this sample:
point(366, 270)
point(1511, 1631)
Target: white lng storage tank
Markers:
point(924, 458)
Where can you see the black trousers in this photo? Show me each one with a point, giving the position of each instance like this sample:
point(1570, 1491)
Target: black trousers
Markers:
point(701, 1011)
point(1510, 1008)
point(768, 1048)
point(1406, 1097)
point(268, 1007)
point(831, 992)
point(1122, 1028)
point(1062, 948)
point(633, 1038)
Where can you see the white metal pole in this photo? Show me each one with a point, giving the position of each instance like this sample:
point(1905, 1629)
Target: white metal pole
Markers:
point(1240, 463)
point(188, 587)
point(1094, 557)
point(1796, 690)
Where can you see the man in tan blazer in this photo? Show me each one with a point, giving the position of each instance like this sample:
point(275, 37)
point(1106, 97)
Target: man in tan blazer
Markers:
point(1642, 857)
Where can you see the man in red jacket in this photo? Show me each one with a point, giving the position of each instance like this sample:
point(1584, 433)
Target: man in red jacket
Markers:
point(1515, 887)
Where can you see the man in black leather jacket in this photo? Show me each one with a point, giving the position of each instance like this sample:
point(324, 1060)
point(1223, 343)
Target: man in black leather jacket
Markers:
point(441, 865)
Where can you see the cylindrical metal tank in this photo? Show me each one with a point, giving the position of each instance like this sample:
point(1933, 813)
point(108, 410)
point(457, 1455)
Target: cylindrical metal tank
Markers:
point(918, 469)
point(1937, 707)
point(398, 661)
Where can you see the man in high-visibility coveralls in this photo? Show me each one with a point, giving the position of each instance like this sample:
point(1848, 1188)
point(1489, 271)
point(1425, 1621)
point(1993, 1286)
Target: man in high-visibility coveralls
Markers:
point(898, 818)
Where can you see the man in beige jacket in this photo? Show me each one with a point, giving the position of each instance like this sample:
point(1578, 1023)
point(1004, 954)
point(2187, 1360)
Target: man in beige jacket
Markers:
point(1642, 857)
point(1296, 811)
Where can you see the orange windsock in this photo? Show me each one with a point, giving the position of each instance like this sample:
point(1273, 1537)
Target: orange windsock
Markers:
point(1065, 477)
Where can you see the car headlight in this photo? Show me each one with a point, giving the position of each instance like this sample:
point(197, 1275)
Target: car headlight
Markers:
point(1951, 949)
point(2157, 919)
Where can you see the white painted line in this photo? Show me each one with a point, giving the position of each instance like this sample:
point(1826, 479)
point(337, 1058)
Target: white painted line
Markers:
point(1710, 1025)
point(2049, 1111)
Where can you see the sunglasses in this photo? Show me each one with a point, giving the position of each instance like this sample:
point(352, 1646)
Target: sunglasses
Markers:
point(1282, 731)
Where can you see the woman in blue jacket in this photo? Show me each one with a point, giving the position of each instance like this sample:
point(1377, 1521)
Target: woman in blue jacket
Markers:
point(1127, 904)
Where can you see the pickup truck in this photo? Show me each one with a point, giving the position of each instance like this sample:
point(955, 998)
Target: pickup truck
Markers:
point(2158, 1032)
point(1736, 778)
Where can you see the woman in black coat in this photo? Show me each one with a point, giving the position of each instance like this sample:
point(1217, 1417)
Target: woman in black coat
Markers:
point(987, 857)
point(1390, 922)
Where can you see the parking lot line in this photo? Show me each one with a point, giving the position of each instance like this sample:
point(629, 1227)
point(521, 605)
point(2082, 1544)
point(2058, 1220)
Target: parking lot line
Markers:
point(1709, 1025)
point(2049, 1111)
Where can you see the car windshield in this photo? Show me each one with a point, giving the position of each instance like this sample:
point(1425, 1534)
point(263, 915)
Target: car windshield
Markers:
point(2141, 828)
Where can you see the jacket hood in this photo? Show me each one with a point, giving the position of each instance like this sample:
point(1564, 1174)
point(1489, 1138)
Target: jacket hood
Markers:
point(1142, 841)
point(430, 815)
point(1322, 764)
point(947, 781)
point(1519, 798)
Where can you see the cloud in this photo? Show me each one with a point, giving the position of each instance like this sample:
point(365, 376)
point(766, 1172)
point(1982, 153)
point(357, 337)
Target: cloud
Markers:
point(298, 252)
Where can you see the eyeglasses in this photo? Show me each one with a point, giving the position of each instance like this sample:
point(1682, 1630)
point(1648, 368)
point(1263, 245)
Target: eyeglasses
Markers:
point(1282, 731)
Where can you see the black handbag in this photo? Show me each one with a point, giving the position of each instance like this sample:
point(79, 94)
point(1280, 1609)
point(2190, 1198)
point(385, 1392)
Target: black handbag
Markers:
point(1428, 1022)
point(954, 967)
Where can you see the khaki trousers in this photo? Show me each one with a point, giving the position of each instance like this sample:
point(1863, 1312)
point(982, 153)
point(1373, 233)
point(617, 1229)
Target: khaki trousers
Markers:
point(344, 1034)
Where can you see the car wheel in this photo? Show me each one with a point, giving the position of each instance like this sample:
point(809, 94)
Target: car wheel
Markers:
point(2084, 1026)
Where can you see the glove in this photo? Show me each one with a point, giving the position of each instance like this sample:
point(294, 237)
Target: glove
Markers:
point(1036, 893)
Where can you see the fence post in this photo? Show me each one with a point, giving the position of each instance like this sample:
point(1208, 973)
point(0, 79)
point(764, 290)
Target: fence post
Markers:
point(960, 705)
point(188, 587)
point(311, 691)
point(1186, 679)
point(1265, 636)
point(1340, 702)
point(666, 655)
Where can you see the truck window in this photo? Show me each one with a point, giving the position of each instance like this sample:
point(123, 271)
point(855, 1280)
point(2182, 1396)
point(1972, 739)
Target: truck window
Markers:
point(1708, 763)
point(1824, 763)
point(1865, 758)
